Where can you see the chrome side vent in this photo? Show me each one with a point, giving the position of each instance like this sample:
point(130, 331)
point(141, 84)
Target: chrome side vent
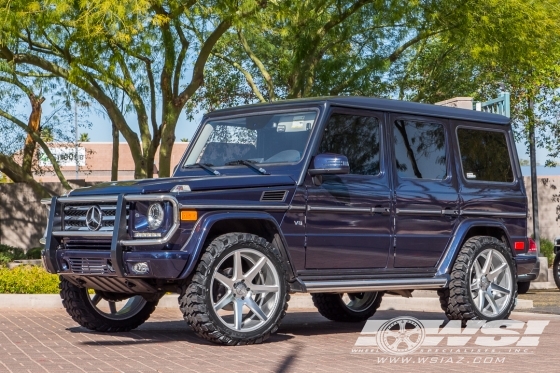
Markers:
point(274, 196)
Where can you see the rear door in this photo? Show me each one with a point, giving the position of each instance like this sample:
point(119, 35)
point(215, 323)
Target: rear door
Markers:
point(426, 195)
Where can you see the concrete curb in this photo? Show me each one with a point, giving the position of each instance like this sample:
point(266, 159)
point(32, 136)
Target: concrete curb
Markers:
point(297, 301)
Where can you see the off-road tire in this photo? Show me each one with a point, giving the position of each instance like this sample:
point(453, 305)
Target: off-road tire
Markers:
point(195, 302)
point(523, 287)
point(555, 268)
point(76, 303)
point(333, 308)
point(456, 300)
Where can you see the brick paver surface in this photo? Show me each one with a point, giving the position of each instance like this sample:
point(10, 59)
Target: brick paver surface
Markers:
point(49, 341)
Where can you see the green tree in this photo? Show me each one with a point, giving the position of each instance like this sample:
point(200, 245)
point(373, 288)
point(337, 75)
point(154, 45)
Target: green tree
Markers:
point(84, 137)
point(130, 57)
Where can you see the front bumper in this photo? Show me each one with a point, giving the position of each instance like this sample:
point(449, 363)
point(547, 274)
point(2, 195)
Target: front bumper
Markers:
point(116, 261)
point(528, 267)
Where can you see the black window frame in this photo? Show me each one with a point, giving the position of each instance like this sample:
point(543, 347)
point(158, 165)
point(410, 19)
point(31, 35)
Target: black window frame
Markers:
point(505, 132)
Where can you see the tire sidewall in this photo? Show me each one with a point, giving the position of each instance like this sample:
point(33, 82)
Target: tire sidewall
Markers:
point(282, 288)
point(555, 268)
point(507, 255)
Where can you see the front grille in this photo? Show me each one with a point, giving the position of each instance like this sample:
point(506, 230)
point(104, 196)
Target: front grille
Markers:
point(75, 216)
point(93, 266)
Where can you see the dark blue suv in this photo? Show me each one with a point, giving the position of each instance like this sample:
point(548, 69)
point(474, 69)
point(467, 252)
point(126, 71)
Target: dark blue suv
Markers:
point(345, 198)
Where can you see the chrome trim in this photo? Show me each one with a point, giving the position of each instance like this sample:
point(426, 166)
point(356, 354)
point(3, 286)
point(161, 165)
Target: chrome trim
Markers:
point(88, 234)
point(297, 208)
point(155, 198)
point(87, 199)
point(419, 212)
point(490, 213)
point(236, 207)
point(339, 209)
point(357, 286)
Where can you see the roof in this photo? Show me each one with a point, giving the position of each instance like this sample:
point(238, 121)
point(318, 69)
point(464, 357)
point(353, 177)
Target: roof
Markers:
point(395, 106)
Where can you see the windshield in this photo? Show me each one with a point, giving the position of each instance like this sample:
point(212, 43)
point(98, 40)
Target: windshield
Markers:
point(265, 138)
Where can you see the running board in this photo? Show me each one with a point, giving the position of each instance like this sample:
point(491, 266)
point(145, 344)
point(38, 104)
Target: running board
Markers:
point(358, 286)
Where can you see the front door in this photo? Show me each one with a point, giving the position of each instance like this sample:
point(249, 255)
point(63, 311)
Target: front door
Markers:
point(426, 195)
point(348, 224)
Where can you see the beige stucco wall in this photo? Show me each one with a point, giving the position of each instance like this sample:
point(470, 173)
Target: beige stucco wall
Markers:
point(548, 189)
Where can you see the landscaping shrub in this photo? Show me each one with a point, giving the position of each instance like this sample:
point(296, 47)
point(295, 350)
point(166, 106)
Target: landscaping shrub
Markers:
point(547, 250)
point(34, 253)
point(27, 280)
point(10, 253)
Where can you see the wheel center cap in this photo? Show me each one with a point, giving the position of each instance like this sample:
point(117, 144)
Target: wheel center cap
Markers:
point(484, 283)
point(240, 289)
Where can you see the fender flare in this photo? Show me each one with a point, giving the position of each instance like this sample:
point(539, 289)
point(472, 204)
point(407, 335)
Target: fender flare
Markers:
point(202, 228)
point(454, 246)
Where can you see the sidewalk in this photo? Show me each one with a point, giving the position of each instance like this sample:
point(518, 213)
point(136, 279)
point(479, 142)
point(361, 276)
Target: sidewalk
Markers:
point(426, 301)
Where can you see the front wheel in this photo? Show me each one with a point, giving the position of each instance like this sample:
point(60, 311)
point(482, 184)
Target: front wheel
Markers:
point(239, 293)
point(104, 311)
point(482, 284)
point(347, 307)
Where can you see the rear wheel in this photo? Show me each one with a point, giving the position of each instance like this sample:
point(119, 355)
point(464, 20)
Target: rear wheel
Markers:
point(104, 311)
point(347, 307)
point(482, 284)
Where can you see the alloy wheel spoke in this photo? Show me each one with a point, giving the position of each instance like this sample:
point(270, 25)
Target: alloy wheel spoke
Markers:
point(488, 262)
point(494, 274)
point(250, 275)
point(96, 299)
point(238, 313)
point(237, 266)
point(481, 299)
point(224, 279)
point(112, 307)
point(253, 306)
point(477, 269)
point(264, 288)
point(224, 301)
point(498, 289)
point(491, 302)
point(475, 286)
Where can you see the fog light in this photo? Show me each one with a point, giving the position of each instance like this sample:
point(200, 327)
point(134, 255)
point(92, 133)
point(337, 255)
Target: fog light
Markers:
point(147, 234)
point(64, 265)
point(140, 268)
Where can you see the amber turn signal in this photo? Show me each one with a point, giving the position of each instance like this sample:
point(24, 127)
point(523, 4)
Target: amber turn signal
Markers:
point(189, 215)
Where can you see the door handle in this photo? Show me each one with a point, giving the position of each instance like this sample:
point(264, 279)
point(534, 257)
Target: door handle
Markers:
point(450, 212)
point(381, 210)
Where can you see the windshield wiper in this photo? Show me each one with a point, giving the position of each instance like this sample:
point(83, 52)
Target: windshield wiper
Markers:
point(249, 164)
point(205, 166)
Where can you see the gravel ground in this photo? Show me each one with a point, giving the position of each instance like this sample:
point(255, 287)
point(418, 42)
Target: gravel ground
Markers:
point(544, 301)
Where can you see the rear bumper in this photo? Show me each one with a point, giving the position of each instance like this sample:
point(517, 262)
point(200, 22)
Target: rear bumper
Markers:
point(528, 267)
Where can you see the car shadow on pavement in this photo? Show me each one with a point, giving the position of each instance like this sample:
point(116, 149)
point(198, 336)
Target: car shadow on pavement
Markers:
point(294, 324)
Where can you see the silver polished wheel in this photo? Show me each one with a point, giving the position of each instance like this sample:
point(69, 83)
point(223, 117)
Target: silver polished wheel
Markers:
point(117, 309)
point(359, 301)
point(491, 282)
point(244, 290)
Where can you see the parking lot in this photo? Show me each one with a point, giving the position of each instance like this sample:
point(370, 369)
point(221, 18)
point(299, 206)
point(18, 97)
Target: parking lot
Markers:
point(49, 341)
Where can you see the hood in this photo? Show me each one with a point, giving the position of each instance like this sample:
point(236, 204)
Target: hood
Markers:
point(196, 183)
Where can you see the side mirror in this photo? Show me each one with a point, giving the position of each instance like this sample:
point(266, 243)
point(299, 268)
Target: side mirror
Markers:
point(329, 164)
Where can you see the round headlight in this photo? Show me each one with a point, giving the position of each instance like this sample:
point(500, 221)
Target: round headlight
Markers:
point(155, 215)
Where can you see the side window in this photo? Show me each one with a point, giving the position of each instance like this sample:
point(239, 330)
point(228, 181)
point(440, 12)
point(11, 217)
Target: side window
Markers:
point(420, 150)
point(358, 138)
point(484, 155)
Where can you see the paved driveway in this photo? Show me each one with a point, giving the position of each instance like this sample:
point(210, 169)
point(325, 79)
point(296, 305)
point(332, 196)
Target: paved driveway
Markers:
point(49, 341)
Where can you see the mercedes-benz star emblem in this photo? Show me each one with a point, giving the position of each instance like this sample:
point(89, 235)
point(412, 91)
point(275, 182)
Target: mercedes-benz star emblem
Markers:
point(94, 218)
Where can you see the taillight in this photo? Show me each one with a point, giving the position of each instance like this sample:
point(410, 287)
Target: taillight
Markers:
point(532, 246)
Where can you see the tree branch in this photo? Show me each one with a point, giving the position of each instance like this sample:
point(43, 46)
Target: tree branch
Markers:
point(266, 76)
point(247, 75)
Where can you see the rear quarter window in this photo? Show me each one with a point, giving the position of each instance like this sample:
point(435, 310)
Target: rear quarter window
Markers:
point(484, 155)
